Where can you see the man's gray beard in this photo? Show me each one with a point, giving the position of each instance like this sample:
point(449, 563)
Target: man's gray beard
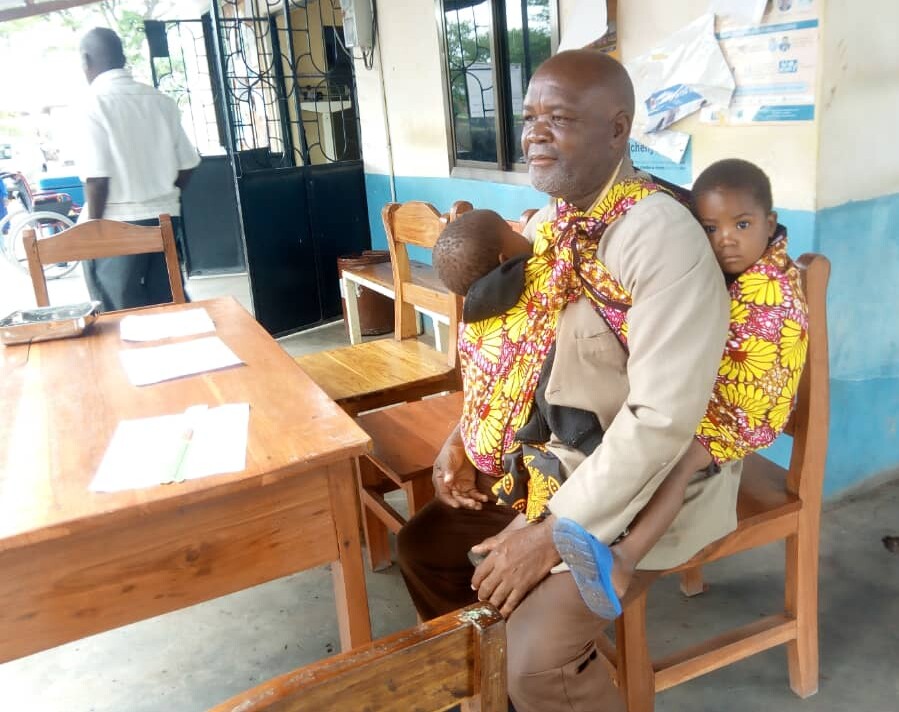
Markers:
point(558, 185)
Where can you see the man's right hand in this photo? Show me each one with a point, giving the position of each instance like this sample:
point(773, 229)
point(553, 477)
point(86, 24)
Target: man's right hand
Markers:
point(455, 478)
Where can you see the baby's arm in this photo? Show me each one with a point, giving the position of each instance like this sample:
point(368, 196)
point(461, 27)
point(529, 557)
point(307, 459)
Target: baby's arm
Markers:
point(654, 519)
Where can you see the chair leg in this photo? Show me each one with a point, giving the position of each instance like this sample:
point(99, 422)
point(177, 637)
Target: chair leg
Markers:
point(802, 602)
point(419, 491)
point(636, 676)
point(691, 583)
point(376, 535)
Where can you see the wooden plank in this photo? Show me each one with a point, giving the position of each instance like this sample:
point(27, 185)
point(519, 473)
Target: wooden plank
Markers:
point(430, 667)
point(348, 571)
point(375, 367)
point(723, 650)
point(402, 447)
point(635, 675)
point(391, 518)
point(60, 402)
point(98, 578)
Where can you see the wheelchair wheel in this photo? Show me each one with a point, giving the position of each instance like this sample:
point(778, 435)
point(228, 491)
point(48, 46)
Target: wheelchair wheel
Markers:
point(44, 224)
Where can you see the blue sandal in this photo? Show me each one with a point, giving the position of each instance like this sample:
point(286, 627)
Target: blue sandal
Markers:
point(591, 563)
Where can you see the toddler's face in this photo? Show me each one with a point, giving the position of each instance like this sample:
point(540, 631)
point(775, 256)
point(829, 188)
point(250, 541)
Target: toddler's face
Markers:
point(738, 227)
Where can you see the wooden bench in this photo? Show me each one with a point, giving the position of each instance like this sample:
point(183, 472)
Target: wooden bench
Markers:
point(456, 657)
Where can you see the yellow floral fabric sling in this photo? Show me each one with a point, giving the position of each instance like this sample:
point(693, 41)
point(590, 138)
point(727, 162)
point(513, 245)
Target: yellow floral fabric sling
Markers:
point(502, 356)
point(767, 344)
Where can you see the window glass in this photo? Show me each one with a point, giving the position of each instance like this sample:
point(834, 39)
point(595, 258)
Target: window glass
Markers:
point(528, 44)
point(470, 58)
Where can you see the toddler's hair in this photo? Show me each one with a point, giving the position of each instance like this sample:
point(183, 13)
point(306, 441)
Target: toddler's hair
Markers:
point(735, 174)
point(468, 249)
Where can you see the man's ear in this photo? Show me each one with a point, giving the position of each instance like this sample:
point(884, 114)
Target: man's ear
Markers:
point(772, 223)
point(621, 126)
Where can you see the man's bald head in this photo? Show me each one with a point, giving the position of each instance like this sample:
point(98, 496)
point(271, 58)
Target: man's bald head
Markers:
point(101, 50)
point(578, 113)
point(589, 70)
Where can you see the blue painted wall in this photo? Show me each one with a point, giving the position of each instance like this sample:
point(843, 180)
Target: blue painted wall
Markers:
point(862, 241)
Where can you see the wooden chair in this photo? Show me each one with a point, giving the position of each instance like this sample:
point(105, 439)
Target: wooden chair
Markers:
point(387, 371)
point(102, 238)
point(432, 667)
point(403, 454)
point(774, 504)
point(518, 225)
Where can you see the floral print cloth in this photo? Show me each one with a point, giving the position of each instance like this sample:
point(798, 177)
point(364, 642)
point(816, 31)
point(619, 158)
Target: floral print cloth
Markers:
point(501, 357)
point(767, 344)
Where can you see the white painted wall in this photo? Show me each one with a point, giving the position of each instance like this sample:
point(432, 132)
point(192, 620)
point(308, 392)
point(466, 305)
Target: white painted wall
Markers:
point(787, 153)
point(859, 110)
point(410, 51)
point(411, 54)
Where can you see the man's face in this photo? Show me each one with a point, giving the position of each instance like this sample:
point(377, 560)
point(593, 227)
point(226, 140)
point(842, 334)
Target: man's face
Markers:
point(573, 137)
point(738, 227)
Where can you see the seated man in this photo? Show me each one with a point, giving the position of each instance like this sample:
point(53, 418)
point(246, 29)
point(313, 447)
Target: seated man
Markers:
point(643, 269)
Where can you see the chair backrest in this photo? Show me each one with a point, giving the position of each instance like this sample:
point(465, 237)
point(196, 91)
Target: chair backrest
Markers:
point(417, 223)
point(519, 225)
point(102, 238)
point(809, 423)
point(431, 667)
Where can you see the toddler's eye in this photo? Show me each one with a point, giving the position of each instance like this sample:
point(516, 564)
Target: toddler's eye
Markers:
point(743, 225)
point(709, 229)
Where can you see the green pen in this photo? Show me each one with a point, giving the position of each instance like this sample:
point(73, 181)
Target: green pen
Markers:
point(186, 436)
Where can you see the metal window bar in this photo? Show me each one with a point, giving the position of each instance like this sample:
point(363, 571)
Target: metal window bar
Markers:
point(288, 81)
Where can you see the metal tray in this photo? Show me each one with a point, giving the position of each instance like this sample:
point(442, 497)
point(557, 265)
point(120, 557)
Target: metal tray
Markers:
point(45, 323)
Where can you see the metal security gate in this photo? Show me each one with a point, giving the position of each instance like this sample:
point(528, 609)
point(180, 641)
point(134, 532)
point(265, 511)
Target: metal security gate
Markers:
point(284, 106)
point(182, 59)
point(292, 132)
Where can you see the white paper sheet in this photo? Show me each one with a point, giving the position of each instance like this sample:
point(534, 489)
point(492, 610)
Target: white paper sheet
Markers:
point(674, 80)
point(152, 327)
point(146, 452)
point(162, 363)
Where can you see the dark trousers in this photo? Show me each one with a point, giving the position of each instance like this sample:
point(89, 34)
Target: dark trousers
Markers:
point(552, 656)
point(134, 280)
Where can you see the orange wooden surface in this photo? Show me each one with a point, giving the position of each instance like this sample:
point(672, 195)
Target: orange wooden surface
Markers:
point(382, 273)
point(431, 667)
point(60, 402)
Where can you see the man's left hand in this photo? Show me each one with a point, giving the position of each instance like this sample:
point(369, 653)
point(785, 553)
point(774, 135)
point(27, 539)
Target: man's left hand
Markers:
point(517, 561)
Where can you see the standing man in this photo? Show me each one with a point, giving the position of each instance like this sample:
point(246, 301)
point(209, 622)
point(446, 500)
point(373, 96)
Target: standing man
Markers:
point(648, 397)
point(135, 161)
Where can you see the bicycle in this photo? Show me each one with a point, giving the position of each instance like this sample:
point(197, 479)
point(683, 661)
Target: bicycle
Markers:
point(47, 213)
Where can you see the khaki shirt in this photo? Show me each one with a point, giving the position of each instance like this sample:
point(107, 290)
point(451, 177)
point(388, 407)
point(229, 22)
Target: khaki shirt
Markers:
point(650, 400)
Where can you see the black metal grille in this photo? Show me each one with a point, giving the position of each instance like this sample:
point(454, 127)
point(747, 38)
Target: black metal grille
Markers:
point(287, 78)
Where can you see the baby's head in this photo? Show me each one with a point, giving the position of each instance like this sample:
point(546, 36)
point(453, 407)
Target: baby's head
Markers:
point(472, 245)
point(732, 201)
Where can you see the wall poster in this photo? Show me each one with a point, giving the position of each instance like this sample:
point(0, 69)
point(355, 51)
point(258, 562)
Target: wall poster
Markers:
point(774, 63)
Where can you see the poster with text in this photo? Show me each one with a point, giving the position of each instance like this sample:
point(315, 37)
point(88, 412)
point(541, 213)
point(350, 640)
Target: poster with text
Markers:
point(774, 64)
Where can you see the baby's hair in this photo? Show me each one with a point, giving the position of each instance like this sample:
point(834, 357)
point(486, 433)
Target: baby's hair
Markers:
point(468, 249)
point(735, 174)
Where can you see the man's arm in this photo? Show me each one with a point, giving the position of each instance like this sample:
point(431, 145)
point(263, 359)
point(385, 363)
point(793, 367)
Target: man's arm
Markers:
point(677, 327)
point(96, 192)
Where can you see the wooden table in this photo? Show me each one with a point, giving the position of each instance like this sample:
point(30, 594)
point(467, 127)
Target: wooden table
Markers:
point(378, 277)
point(75, 562)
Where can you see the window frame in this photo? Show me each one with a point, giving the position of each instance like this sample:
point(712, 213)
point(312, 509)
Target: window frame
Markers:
point(503, 170)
